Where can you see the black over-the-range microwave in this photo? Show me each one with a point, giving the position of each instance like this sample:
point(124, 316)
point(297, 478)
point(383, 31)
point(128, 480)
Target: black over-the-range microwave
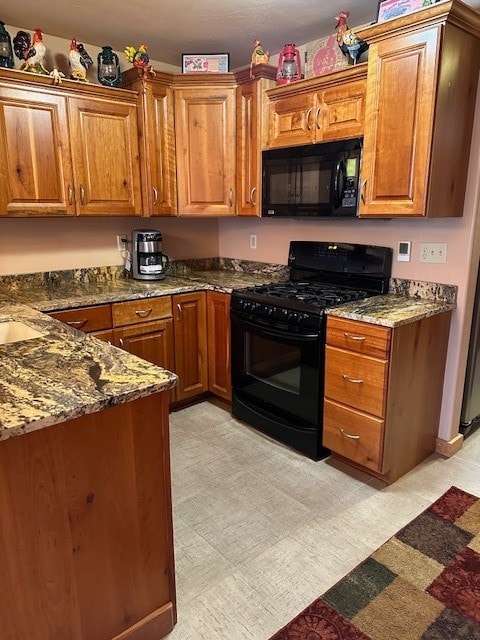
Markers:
point(317, 180)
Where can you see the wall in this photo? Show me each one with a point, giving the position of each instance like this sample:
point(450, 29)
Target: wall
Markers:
point(461, 234)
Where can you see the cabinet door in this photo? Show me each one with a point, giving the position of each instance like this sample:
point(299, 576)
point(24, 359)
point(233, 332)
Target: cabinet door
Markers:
point(105, 154)
point(252, 132)
point(401, 88)
point(190, 327)
point(218, 330)
point(205, 135)
point(159, 137)
point(342, 111)
point(292, 120)
point(35, 163)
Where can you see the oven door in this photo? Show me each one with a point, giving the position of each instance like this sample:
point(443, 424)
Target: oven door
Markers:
point(278, 371)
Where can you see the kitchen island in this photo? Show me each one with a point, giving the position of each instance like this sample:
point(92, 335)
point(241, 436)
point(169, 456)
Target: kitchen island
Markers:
point(85, 499)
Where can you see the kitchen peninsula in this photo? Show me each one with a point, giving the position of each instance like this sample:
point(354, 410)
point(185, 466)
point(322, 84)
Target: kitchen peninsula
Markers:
point(85, 504)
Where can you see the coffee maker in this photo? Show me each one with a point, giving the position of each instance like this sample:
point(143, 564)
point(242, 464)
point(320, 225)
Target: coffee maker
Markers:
point(148, 261)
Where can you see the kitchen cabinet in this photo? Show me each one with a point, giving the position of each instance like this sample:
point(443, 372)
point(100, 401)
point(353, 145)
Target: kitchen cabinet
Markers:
point(329, 107)
point(157, 140)
point(86, 516)
point(204, 141)
point(67, 150)
point(421, 87)
point(145, 328)
point(383, 392)
point(218, 340)
point(252, 135)
point(88, 319)
point(190, 331)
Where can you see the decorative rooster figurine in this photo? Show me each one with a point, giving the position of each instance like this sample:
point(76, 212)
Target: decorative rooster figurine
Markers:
point(349, 43)
point(140, 59)
point(259, 55)
point(31, 52)
point(80, 61)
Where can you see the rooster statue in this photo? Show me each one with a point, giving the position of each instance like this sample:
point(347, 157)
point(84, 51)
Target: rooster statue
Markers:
point(79, 60)
point(31, 50)
point(140, 59)
point(259, 55)
point(348, 41)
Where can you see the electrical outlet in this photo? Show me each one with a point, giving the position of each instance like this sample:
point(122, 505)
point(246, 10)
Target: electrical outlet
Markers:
point(433, 252)
point(253, 241)
point(121, 243)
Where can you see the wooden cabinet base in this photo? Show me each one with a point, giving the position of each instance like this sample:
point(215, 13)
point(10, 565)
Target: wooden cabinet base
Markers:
point(86, 528)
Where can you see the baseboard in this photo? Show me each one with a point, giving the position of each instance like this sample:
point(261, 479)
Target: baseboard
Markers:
point(449, 448)
point(152, 627)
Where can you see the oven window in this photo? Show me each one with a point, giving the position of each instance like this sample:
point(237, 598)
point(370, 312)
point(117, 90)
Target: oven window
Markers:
point(273, 363)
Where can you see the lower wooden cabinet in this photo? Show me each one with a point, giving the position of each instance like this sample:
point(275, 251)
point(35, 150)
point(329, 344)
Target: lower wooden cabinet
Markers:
point(218, 322)
point(190, 329)
point(383, 392)
point(95, 319)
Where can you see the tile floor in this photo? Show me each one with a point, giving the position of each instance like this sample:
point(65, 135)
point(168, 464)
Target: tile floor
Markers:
point(261, 531)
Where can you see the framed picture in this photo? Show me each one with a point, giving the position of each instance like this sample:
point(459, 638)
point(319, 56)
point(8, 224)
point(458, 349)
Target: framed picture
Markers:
point(205, 62)
point(389, 9)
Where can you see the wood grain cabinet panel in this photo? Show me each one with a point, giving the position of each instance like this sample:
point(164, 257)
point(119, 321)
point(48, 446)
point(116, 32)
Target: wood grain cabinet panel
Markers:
point(218, 339)
point(330, 107)
point(141, 310)
point(190, 328)
point(88, 319)
point(369, 339)
point(204, 138)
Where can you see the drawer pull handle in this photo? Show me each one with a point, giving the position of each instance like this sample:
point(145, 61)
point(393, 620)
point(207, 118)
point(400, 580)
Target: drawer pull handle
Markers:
point(143, 313)
point(307, 118)
point(357, 338)
point(354, 380)
point(121, 343)
point(77, 324)
point(317, 118)
point(349, 435)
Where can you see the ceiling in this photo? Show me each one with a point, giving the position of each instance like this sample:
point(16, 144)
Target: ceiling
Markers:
point(172, 27)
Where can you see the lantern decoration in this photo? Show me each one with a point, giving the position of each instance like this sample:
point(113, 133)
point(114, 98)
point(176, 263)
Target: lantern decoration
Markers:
point(109, 68)
point(289, 67)
point(6, 51)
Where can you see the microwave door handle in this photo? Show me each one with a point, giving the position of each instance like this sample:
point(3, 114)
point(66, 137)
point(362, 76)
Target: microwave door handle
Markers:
point(338, 184)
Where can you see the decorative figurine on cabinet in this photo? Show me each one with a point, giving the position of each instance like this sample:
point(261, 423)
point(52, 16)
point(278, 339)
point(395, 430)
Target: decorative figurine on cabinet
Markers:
point(259, 55)
point(289, 66)
point(348, 41)
point(108, 72)
point(6, 50)
point(140, 59)
point(31, 51)
point(79, 61)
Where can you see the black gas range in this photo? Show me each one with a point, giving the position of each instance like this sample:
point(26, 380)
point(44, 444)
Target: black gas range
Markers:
point(278, 337)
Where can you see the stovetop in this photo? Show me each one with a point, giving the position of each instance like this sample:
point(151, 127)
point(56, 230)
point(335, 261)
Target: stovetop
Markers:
point(311, 295)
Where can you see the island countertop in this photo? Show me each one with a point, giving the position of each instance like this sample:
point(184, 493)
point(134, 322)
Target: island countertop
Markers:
point(65, 374)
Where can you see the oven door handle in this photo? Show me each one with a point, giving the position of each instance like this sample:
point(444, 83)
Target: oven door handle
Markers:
point(266, 331)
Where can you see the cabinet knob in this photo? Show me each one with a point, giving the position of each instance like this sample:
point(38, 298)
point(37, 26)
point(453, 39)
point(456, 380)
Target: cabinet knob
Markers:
point(352, 380)
point(349, 435)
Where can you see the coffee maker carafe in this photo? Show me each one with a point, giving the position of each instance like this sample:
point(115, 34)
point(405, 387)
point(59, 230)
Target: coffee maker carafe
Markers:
point(148, 261)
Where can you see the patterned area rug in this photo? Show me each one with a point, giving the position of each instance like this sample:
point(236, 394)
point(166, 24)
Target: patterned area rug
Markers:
point(422, 584)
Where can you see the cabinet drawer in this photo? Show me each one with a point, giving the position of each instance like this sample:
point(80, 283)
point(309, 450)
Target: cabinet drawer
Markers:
point(86, 318)
point(353, 435)
point(356, 380)
point(131, 312)
point(362, 337)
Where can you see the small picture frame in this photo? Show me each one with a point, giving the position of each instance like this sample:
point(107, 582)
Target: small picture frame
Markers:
point(205, 62)
point(390, 9)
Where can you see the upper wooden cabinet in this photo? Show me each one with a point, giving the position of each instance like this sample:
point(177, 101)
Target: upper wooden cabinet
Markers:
point(422, 80)
point(204, 139)
point(67, 150)
point(157, 140)
point(252, 134)
point(329, 107)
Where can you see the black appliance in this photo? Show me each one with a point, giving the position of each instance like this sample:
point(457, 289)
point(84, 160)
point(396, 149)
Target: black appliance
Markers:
point(470, 413)
point(278, 337)
point(320, 180)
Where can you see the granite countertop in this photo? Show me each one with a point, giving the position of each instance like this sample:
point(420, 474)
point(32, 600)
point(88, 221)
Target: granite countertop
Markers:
point(390, 310)
point(65, 374)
